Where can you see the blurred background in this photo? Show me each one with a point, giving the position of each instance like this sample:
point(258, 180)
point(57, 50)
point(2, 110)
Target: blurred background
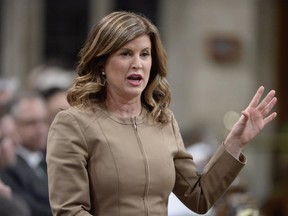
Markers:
point(219, 53)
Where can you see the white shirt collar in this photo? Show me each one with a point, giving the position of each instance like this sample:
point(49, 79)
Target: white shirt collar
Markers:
point(33, 159)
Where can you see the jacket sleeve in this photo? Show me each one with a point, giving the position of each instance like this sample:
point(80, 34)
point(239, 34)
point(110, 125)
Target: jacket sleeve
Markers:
point(67, 157)
point(200, 192)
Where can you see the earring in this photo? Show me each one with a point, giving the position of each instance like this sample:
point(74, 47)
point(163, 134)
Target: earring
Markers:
point(103, 78)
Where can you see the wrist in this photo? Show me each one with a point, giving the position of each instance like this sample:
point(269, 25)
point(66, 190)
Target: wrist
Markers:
point(234, 147)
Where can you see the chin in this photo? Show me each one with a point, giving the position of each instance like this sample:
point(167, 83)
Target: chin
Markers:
point(135, 93)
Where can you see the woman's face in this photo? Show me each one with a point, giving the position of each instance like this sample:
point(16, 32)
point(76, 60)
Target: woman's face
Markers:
point(127, 70)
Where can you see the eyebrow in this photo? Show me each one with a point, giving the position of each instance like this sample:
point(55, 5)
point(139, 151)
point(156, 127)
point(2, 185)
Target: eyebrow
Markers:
point(125, 48)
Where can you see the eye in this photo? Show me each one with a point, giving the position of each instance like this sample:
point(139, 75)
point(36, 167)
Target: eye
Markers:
point(145, 53)
point(125, 53)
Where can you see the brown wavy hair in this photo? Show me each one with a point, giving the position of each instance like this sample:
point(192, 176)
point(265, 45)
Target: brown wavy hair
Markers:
point(108, 36)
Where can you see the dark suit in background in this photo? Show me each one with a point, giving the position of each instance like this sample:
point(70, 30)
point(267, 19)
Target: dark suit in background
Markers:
point(29, 184)
point(13, 207)
point(26, 178)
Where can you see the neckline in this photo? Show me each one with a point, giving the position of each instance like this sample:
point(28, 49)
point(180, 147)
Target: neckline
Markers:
point(126, 120)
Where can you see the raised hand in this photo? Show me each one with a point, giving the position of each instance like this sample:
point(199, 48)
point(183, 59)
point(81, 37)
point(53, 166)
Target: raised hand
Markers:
point(252, 121)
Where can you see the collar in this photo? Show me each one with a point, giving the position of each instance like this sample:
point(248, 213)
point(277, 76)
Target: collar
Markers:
point(33, 159)
point(128, 120)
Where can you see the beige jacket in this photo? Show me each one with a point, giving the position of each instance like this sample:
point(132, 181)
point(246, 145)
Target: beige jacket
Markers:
point(105, 166)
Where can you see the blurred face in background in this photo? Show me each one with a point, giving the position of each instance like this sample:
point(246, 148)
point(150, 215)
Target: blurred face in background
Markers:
point(9, 140)
point(56, 103)
point(31, 121)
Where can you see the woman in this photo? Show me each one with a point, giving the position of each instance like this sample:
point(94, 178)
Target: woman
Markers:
point(118, 149)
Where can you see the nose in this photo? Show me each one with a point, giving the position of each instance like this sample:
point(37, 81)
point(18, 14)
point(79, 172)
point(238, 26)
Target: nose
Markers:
point(137, 63)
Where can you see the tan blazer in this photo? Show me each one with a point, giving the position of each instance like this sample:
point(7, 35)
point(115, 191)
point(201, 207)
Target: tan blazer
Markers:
point(102, 165)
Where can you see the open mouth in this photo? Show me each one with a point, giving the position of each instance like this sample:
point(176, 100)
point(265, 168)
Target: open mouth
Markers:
point(134, 77)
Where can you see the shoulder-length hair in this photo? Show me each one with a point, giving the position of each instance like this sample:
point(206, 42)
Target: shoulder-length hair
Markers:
point(108, 36)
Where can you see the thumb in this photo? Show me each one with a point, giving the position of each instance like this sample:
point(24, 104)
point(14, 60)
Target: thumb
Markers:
point(246, 115)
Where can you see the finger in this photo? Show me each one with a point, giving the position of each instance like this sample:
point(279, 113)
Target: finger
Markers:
point(255, 100)
point(269, 107)
point(266, 100)
point(244, 117)
point(270, 118)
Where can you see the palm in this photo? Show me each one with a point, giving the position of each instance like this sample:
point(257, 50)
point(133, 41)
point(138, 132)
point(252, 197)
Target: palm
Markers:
point(254, 117)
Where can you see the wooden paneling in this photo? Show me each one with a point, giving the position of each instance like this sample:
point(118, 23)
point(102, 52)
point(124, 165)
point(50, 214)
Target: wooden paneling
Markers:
point(282, 62)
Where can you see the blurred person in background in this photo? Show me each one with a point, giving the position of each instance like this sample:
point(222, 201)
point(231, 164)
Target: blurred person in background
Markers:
point(52, 82)
point(56, 101)
point(8, 89)
point(10, 203)
point(9, 140)
point(28, 177)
